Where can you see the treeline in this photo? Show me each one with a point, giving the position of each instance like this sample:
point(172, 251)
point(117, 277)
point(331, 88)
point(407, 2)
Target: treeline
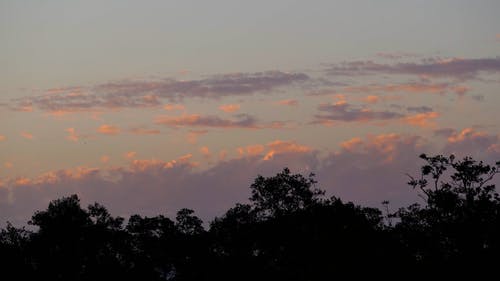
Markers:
point(288, 231)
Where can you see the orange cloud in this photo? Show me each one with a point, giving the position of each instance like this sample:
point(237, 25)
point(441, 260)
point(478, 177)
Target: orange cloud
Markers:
point(465, 134)
point(109, 130)
point(422, 119)
point(371, 99)
point(279, 147)
point(385, 145)
point(351, 144)
point(130, 154)
point(222, 155)
point(229, 108)
point(288, 102)
point(273, 148)
point(251, 150)
point(205, 152)
point(22, 181)
point(170, 107)
point(143, 165)
point(192, 136)
point(8, 165)
point(2, 138)
point(144, 131)
point(72, 135)
point(104, 159)
point(27, 135)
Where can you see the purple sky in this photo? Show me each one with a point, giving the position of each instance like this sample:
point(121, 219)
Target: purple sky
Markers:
point(151, 106)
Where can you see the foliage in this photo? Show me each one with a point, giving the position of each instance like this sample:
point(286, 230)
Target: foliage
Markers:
point(289, 230)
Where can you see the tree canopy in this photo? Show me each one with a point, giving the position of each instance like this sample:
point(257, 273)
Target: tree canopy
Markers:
point(288, 230)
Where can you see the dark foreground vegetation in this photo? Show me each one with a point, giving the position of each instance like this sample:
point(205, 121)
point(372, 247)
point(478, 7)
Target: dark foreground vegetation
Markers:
point(289, 231)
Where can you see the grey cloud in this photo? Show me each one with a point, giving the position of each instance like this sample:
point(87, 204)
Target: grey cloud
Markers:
point(348, 113)
point(453, 68)
point(132, 94)
point(419, 109)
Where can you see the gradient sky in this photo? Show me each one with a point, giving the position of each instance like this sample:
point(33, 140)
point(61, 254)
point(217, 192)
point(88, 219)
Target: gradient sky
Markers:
point(151, 106)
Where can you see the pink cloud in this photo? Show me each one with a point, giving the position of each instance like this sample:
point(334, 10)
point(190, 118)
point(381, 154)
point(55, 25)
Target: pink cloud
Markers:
point(288, 102)
point(366, 170)
point(205, 151)
point(109, 130)
point(27, 135)
point(105, 159)
point(251, 150)
point(273, 148)
point(424, 120)
point(72, 135)
point(193, 135)
point(280, 147)
point(172, 107)
point(141, 131)
point(229, 108)
point(130, 155)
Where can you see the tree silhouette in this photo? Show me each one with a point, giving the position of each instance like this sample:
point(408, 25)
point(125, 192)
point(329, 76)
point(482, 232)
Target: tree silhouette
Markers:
point(284, 193)
point(460, 223)
point(288, 231)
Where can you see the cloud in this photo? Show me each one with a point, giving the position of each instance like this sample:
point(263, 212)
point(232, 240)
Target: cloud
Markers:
point(205, 151)
point(457, 68)
point(345, 112)
point(423, 120)
point(419, 109)
point(282, 147)
point(130, 155)
point(469, 141)
point(396, 55)
point(288, 102)
point(270, 150)
point(366, 170)
point(408, 87)
point(105, 159)
point(2, 137)
point(109, 130)
point(141, 93)
point(371, 99)
point(414, 87)
point(229, 108)
point(171, 107)
point(241, 121)
point(8, 165)
point(251, 150)
point(27, 135)
point(193, 135)
point(142, 131)
point(72, 135)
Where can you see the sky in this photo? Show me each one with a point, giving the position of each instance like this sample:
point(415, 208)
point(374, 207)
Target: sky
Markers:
point(151, 106)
